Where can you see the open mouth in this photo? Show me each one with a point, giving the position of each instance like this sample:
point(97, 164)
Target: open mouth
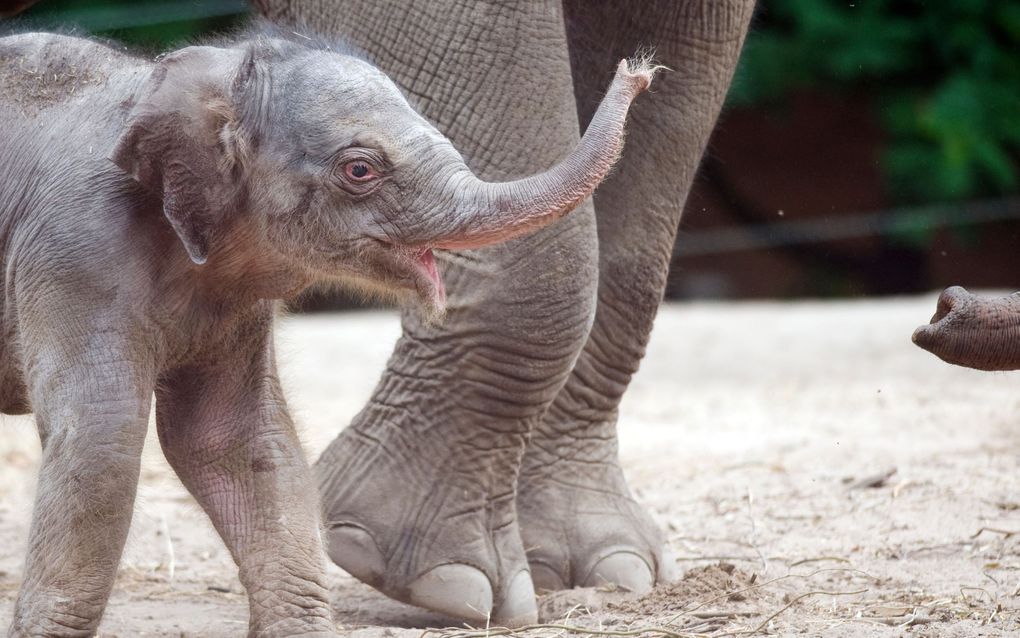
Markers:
point(424, 264)
point(427, 262)
point(413, 268)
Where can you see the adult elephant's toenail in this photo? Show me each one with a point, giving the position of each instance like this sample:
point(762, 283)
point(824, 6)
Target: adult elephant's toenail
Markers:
point(546, 578)
point(456, 590)
point(519, 607)
point(668, 571)
point(353, 549)
point(622, 568)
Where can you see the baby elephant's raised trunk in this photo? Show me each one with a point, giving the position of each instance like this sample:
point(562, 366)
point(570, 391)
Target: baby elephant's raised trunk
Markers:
point(973, 332)
point(487, 213)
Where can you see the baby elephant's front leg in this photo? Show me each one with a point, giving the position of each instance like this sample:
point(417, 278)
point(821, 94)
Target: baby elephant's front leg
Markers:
point(91, 396)
point(226, 432)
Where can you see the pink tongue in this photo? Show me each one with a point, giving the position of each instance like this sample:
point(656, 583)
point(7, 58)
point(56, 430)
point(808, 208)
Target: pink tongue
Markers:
point(429, 262)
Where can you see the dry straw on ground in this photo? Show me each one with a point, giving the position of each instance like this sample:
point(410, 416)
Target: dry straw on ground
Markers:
point(762, 436)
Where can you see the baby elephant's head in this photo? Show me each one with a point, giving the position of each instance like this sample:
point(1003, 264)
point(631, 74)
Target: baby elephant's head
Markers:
point(317, 160)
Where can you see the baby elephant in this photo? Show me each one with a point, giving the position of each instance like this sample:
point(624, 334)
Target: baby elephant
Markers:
point(150, 215)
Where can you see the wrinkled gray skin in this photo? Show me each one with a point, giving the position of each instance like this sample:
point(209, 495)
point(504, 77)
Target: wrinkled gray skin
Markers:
point(485, 464)
point(969, 331)
point(150, 213)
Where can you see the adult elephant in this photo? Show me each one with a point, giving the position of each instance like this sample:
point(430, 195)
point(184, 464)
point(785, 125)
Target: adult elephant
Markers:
point(485, 464)
point(486, 461)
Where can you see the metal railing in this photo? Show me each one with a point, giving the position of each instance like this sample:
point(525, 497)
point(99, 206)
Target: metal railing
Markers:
point(843, 226)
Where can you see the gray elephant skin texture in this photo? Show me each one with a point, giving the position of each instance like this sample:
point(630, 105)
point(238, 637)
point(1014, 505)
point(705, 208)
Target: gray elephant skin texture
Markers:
point(974, 332)
point(485, 465)
point(151, 214)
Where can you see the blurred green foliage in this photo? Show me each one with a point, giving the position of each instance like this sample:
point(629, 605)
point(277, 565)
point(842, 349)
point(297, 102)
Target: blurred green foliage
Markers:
point(943, 76)
point(149, 24)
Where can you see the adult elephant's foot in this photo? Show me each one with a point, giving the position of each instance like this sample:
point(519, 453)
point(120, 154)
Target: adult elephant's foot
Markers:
point(579, 522)
point(429, 521)
point(970, 331)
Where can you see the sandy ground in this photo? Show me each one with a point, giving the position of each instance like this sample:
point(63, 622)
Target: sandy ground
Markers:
point(762, 436)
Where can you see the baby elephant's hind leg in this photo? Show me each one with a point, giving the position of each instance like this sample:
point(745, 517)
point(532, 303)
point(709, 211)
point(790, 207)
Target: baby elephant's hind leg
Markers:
point(225, 430)
point(92, 405)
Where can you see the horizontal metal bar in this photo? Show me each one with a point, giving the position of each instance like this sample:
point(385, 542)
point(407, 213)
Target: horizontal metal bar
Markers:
point(843, 226)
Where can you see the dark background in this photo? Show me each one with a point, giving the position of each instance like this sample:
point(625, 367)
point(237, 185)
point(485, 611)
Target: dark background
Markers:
point(868, 147)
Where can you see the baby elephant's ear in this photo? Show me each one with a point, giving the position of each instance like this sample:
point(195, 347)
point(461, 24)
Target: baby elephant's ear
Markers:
point(178, 141)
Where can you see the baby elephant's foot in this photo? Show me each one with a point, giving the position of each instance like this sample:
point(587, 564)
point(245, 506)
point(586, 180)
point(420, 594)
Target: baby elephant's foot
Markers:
point(583, 528)
point(428, 528)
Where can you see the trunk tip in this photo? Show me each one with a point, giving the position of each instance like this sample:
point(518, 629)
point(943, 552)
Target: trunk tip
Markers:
point(949, 299)
point(922, 336)
point(640, 69)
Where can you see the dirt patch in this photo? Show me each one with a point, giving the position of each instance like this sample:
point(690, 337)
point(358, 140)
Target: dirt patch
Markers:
point(761, 436)
point(699, 587)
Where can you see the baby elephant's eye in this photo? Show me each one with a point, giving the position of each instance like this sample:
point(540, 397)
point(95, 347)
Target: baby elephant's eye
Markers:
point(359, 171)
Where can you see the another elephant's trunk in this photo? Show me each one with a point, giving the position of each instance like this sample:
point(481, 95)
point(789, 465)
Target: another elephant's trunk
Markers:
point(495, 212)
point(973, 332)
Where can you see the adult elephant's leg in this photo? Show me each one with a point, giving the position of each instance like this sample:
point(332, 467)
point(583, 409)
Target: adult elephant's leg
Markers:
point(579, 521)
point(419, 491)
